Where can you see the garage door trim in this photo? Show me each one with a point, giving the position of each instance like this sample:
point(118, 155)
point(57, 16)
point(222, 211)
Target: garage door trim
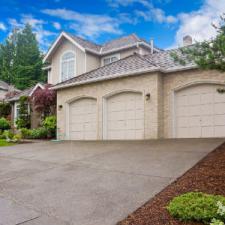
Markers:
point(104, 107)
point(72, 100)
point(181, 87)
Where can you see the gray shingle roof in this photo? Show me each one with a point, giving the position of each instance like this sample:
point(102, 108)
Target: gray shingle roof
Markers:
point(120, 43)
point(86, 44)
point(4, 85)
point(129, 65)
point(123, 42)
point(166, 62)
point(134, 64)
point(25, 92)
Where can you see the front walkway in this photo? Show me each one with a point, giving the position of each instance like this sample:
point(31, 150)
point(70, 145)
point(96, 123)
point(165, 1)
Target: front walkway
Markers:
point(86, 183)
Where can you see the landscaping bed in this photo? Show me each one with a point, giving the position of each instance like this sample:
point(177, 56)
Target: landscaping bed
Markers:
point(206, 176)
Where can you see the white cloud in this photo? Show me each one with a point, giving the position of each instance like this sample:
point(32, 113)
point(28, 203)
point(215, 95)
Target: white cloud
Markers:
point(56, 25)
point(150, 12)
point(2, 26)
point(42, 34)
point(87, 25)
point(198, 23)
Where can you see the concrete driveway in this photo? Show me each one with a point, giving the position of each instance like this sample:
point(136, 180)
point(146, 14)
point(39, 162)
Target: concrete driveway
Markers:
point(89, 183)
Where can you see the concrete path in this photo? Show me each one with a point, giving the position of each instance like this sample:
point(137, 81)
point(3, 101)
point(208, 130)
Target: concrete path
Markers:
point(89, 183)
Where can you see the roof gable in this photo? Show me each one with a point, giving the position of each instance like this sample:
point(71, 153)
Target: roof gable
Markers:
point(109, 47)
point(57, 42)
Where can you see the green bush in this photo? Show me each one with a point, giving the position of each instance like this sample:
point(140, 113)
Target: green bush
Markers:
point(7, 134)
point(4, 124)
point(50, 124)
point(25, 133)
point(196, 206)
point(39, 133)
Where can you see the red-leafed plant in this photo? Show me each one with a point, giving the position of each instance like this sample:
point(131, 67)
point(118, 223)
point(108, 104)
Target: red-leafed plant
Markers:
point(44, 101)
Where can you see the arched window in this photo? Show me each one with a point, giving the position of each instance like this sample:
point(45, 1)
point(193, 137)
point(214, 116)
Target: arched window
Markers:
point(67, 66)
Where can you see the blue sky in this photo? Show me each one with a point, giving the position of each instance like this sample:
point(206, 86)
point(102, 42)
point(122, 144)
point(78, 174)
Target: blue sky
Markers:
point(166, 21)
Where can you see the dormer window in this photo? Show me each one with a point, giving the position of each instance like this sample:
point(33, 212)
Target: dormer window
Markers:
point(109, 59)
point(67, 66)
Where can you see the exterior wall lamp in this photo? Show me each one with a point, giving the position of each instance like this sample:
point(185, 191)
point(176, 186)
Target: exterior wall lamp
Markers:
point(147, 96)
point(60, 107)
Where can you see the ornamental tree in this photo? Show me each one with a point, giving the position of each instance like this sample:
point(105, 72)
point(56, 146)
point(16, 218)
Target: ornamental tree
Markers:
point(44, 101)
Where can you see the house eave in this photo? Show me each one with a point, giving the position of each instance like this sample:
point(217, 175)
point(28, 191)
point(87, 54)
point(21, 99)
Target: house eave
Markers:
point(58, 87)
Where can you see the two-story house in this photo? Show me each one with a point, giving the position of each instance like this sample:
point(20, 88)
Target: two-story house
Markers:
point(129, 89)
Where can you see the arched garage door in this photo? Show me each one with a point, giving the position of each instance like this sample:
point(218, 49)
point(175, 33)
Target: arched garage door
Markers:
point(124, 116)
point(199, 112)
point(83, 119)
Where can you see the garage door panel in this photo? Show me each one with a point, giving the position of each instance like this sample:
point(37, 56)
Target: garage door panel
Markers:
point(219, 98)
point(194, 132)
point(219, 131)
point(219, 120)
point(206, 98)
point(207, 109)
point(83, 119)
point(220, 108)
point(125, 116)
point(194, 100)
point(194, 121)
point(207, 131)
point(200, 112)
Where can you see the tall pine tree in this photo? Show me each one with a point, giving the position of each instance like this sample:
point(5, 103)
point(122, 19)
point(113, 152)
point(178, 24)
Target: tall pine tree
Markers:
point(21, 59)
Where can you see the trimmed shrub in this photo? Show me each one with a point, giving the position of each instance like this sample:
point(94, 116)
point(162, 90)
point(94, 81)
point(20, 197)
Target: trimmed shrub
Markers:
point(4, 124)
point(196, 206)
point(39, 133)
point(25, 133)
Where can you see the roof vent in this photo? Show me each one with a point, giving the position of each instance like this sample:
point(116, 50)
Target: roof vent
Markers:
point(187, 40)
point(152, 45)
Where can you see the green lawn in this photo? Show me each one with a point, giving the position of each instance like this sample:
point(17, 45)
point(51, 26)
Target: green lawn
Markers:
point(5, 143)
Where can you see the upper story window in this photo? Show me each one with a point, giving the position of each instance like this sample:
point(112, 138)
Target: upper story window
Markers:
point(67, 66)
point(109, 59)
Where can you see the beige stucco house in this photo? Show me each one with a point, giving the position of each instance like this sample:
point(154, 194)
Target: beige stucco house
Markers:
point(129, 89)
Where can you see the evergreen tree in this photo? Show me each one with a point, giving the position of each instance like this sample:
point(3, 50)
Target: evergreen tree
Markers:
point(21, 59)
point(7, 57)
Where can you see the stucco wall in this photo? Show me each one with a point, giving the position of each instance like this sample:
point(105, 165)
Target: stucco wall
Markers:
point(55, 62)
point(174, 81)
point(145, 83)
point(92, 62)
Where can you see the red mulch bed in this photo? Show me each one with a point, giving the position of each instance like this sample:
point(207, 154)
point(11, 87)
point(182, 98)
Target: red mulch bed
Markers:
point(207, 176)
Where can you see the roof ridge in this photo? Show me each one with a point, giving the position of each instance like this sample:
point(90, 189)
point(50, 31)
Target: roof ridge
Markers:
point(83, 39)
point(152, 63)
point(116, 39)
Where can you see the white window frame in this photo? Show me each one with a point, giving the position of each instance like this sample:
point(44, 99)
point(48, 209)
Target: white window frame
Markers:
point(110, 57)
point(75, 65)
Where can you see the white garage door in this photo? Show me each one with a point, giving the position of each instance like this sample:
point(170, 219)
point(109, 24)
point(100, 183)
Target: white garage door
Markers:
point(83, 119)
point(125, 116)
point(200, 112)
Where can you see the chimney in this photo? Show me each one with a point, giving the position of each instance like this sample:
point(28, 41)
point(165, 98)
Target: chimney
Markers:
point(187, 40)
point(152, 45)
